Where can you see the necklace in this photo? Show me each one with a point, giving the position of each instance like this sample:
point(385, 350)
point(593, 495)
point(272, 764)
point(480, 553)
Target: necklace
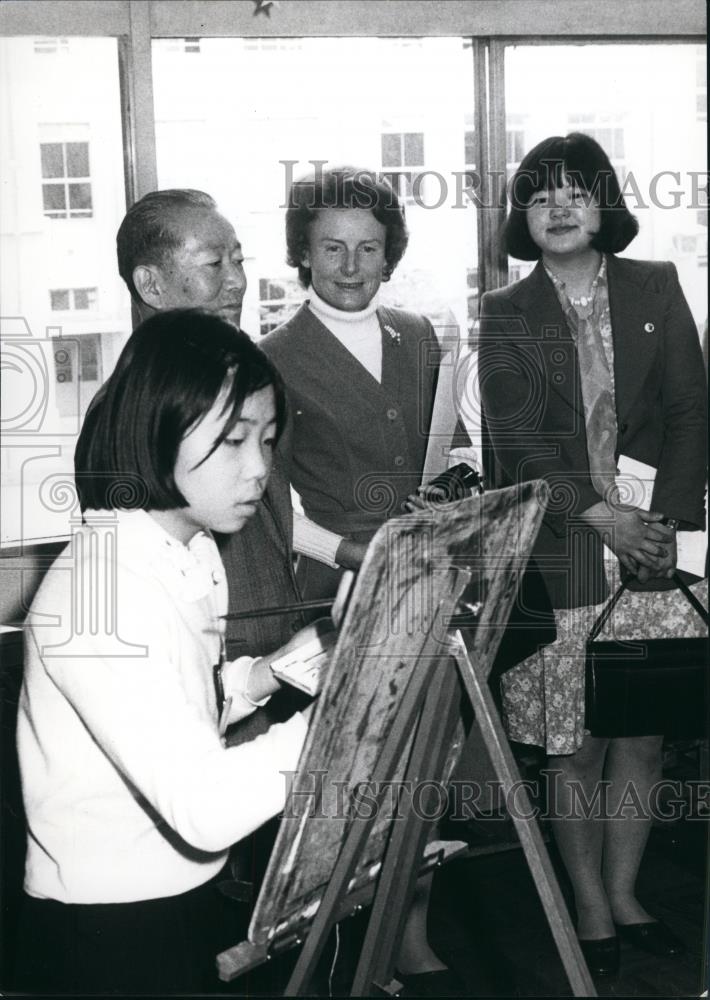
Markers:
point(583, 300)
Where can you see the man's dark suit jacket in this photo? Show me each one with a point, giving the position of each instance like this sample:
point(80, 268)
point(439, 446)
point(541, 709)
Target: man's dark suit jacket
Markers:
point(532, 402)
point(259, 567)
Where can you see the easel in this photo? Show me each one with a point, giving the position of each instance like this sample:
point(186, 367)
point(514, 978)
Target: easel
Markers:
point(399, 871)
point(429, 706)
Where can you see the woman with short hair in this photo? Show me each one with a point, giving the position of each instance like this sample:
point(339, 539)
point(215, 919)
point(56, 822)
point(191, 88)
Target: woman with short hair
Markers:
point(360, 375)
point(360, 379)
point(590, 357)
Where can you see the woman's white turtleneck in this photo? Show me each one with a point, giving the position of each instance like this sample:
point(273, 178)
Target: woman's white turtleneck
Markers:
point(359, 332)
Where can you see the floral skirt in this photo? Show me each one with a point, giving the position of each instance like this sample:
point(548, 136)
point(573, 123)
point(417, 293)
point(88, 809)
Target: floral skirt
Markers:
point(543, 697)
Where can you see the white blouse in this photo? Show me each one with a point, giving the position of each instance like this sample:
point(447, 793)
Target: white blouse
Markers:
point(129, 790)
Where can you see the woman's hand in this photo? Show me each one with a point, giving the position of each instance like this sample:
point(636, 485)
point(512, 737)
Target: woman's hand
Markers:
point(424, 499)
point(644, 545)
point(667, 565)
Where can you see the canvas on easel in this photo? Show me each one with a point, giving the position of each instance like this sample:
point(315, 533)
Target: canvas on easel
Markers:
point(396, 628)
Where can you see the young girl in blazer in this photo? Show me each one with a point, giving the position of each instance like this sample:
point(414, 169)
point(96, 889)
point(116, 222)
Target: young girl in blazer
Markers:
point(131, 795)
point(590, 357)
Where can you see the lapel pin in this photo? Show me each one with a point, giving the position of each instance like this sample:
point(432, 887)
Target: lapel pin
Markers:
point(649, 327)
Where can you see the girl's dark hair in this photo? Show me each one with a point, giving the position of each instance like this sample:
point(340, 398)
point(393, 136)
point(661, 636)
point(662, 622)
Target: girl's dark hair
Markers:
point(343, 187)
point(582, 161)
point(167, 378)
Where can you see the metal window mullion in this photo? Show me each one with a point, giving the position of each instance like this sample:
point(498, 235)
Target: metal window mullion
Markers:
point(135, 69)
point(489, 119)
point(490, 134)
point(479, 51)
point(137, 104)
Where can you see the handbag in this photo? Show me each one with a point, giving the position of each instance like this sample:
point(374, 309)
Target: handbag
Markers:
point(647, 687)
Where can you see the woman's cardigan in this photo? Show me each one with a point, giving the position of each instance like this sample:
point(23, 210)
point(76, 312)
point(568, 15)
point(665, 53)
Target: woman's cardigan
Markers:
point(356, 446)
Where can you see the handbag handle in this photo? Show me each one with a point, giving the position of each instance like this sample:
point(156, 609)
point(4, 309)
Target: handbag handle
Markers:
point(609, 607)
point(692, 598)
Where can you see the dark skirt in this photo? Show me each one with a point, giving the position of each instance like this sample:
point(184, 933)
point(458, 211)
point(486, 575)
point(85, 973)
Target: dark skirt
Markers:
point(156, 946)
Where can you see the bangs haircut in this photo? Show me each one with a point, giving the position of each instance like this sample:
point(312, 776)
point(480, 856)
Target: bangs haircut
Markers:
point(580, 160)
point(172, 370)
point(343, 187)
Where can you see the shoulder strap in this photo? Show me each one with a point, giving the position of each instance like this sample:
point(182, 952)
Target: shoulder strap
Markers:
point(605, 612)
point(691, 597)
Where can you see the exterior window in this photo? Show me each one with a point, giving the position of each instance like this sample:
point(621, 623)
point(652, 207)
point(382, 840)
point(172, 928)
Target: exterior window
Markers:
point(61, 131)
point(701, 80)
point(63, 368)
point(469, 155)
point(60, 299)
point(472, 294)
point(515, 146)
point(50, 46)
point(183, 45)
point(402, 149)
point(66, 182)
point(646, 108)
point(63, 299)
point(80, 355)
point(702, 212)
point(608, 130)
point(469, 143)
point(278, 301)
point(272, 44)
point(89, 358)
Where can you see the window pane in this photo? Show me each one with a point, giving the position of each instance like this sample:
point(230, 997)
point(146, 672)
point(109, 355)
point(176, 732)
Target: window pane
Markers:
point(284, 129)
point(77, 159)
point(326, 118)
point(89, 357)
point(414, 149)
point(52, 159)
point(80, 198)
point(60, 115)
point(391, 150)
point(54, 197)
point(469, 148)
point(643, 110)
point(63, 361)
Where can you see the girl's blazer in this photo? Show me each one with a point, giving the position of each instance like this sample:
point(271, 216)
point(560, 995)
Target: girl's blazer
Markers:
point(532, 403)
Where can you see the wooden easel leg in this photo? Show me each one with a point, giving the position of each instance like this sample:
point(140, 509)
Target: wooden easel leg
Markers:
point(400, 866)
point(347, 860)
point(527, 829)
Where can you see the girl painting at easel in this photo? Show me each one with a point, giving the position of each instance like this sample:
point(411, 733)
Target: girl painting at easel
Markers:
point(132, 798)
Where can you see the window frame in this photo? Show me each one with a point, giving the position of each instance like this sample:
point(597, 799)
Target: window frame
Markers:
point(66, 181)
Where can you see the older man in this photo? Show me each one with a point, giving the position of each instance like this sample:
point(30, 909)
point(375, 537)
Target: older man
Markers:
point(176, 250)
